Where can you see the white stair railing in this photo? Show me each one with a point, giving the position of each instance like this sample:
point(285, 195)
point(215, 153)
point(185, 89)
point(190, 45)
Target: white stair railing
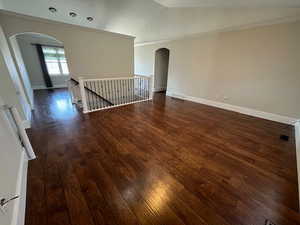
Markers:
point(74, 91)
point(99, 94)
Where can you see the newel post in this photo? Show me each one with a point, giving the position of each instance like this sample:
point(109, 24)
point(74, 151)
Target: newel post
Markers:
point(70, 89)
point(83, 96)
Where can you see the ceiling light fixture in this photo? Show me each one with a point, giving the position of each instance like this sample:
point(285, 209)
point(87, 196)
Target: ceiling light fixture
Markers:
point(52, 9)
point(90, 19)
point(72, 14)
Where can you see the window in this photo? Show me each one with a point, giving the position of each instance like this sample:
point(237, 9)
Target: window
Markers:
point(56, 61)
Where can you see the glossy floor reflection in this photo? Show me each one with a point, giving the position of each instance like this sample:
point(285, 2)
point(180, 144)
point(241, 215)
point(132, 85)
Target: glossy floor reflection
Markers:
point(53, 106)
point(166, 162)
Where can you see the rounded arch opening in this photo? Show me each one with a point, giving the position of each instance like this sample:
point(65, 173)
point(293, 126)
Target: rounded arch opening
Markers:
point(37, 35)
point(41, 61)
point(161, 69)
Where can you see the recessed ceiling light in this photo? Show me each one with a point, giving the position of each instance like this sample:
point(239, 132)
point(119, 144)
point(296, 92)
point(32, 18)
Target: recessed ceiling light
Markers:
point(90, 18)
point(72, 14)
point(52, 9)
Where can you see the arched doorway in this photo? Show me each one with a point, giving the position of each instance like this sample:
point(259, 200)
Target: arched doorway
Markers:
point(41, 63)
point(40, 60)
point(161, 69)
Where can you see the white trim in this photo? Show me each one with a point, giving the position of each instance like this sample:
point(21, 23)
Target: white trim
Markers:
point(142, 76)
point(158, 89)
point(26, 124)
point(152, 42)
point(243, 110)
point(275, 21)
point(18, 217)
point(113, 78)
point(297, 138)
point(42, 87)
point(28, 116)
point(224, 4)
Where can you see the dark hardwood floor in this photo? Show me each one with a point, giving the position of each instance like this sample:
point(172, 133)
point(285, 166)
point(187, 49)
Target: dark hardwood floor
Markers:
point(166, 162)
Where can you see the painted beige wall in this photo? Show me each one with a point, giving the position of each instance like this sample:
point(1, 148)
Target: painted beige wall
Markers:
point(90, 52)
point(257, 68)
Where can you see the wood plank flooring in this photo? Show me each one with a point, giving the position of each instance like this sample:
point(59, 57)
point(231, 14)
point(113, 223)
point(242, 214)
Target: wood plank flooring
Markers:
point(166, 162)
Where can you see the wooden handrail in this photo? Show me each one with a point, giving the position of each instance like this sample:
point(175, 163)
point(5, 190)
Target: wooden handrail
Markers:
point(91, 91)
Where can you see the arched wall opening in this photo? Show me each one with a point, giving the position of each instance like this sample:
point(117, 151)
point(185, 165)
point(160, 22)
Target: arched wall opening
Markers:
point(161, 69)
point(40, 60)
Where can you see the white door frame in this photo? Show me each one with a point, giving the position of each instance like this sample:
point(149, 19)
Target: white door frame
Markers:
point(11, 66)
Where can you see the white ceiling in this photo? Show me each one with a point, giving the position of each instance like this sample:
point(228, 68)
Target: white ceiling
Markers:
point(149, 21)
point(229, 3)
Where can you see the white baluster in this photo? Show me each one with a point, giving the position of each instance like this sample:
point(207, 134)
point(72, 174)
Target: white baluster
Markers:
point(83, 96)
point(71, 92)
point(151, 85)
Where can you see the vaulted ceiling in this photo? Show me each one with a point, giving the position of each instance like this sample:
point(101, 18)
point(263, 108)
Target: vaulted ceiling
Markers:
point(229, 3)
point(154, 20)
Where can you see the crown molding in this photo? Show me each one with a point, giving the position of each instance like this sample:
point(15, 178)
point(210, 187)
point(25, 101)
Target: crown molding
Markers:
point(280, 20)
point(225, 4)
point(153, 42)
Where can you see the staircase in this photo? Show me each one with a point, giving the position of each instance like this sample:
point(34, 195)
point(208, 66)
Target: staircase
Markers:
point(98, 94)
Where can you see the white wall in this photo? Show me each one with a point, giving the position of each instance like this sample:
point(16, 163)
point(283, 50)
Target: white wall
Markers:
point(149, 21)
point(257, 68)
point(10, 83)
point(11, 160)
point(22, 70)
point(32, 62)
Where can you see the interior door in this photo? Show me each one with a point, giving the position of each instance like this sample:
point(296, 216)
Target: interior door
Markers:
point(11, 164)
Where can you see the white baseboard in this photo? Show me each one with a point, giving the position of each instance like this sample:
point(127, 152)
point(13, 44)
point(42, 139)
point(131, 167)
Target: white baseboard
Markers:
point(243, 110)
point(158, 89)
point(20, 203)
point(297, 138)
point(42, 87)
point(26, 124)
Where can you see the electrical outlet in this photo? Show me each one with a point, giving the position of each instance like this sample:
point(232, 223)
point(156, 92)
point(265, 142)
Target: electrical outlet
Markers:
point(225, 98)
